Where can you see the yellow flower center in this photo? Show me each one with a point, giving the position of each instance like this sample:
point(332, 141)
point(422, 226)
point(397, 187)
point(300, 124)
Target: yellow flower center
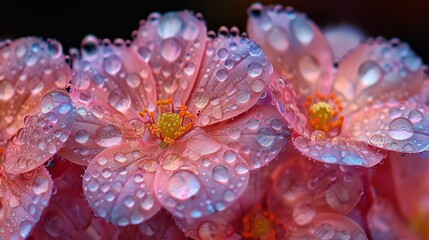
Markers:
point(419, 224)
point(323, 112)
point(259, 224)
point(170, 124)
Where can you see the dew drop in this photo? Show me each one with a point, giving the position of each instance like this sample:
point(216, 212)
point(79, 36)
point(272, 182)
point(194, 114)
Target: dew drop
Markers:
point(234, 132)
point(278, 39)
point(119, 100)
point(220, 173)
point(401, 129)
point(328, 158)
point(221, 75)
point(201, 99)
point(302, 30)
point(169, 25)
point(6, 90)
point(229, 156)
point(108, 136)
point(112, 64)
point(133, 80)
point(353, 160)
point(415, 116)
point(183, 184)
point(309, 68)
point(257, 85)
point(25, 228)
point(303, 213)
point(81, 136)
point(412, 62)
point(265, 137)
point(40, 185)
point(254, 69)
point(171, 49)
point(229, 195)
point(208, 231)
point(369, 73)
point(243, 96)
point(172, 162)
point(241, 168)
point(255, 50)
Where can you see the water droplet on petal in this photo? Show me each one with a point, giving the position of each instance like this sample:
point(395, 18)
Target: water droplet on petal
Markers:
point(328, 158)
point(108, 136)
point(241, 168)
point(302, 30)
point(369, 73)
point(221, 75)
point(183, 184)
point(303, 213)
point(401, 129)
point(112, 64)
point(119, 100)
point(353, 160)
point(6, 90)
point(254, 69)
point(220, 173)
point(81, 136)
point(415, 116)
point(325, 231)
point(40, 185)
point(277, 38)
point(412, 62)
point(229, 195)
point(133, 80)
point(169, 25)
point(257, 85)
point(207, 230)
point(265, 137)
point(243, 96)
point(172, 162)
point(229, 156)
point(171, 49)
point(309, 68)
point(25, 228)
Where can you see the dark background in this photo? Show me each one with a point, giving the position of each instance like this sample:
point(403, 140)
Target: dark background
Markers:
point(70, 21)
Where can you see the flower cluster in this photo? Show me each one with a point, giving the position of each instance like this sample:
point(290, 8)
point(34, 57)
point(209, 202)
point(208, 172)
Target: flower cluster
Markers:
point(184, 133)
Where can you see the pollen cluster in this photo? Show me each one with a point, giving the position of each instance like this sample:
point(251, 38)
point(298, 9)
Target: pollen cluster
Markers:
point(324, 112)
point(259, 224)
point(170, 124)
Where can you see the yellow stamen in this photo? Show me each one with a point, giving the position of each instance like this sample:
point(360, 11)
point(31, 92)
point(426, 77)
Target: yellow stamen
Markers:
point(324, 112)
point(170, 125)
point(259, 224)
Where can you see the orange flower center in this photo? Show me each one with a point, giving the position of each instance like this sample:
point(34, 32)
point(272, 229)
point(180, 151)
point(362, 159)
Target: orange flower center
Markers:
point(323, 112)
point(259, 224)
point(168, 123)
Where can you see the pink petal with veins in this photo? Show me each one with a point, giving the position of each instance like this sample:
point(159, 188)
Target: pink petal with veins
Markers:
point(199, 176)
point(22, 200)
point(173, 45)
point(257, 135)
point(43, 135)
point(377, 70)
point(396, 126)
point(295, 46)
point(233, 76)
point(118, 184)
point(29, 68)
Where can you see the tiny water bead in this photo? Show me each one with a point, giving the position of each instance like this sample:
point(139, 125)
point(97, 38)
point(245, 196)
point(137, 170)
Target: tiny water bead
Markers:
point(324, 112)
point(170, 124)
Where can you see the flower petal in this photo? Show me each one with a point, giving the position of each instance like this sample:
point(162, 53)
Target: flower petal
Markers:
point(295, 46)
point(68, 215)
point(343, 38)
point(384, 223)
point(43, 135)
point(257, 135)
point(337, 150)
point(22, 200)
point(235, 72)
point(375, 71)
point(173, 45)
point(329, 226)
point(303, 188)
point(118, 184)
point(396, 126)
point(199, 176)
point(29, 68)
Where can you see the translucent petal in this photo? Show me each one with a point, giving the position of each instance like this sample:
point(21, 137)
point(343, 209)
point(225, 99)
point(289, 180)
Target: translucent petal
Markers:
point(377, 71)
point(257, 135)
point(342, 38)
point(43, 135)
point(295, 46)
point(233, 76)
point(22, 200)
point(29, 68)
point(118, 184)
point(396, 126)
point(196, 178)
point(173, 45)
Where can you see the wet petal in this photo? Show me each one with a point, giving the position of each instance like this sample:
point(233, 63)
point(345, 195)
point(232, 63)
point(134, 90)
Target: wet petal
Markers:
point(337, 150)
point(43, 135)
point(195, 178)
point(396, 126)
point(384, 223)
point(173, 45)
point(343, 38)
point(29, 68)
point(233, 76)
point(22, 200)
point(118, 184)
point(295, 46)
point(378, 70)
point(160, 227)
point(257, 135)
point(68, 215)
point(412, 170)
point(303, 188)
point(329, 226)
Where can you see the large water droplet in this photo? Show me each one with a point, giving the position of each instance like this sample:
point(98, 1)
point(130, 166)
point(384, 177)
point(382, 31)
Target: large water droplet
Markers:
point(254, 69)
point(220, 173)
point(243, 96)
point(119, 100)
point(172, 162)
point(328, 158)
point(401, 129)
point(81, 136)
point(412, 62)
point(229, 156)
point(201, 99)
point(277, 38)
point(133, 80)
point(169, 25)
point(25, 228)
point(112, 64)
point(369, 73)
point(40, 185)
point(265, 137)
point(208, 230)
point(303, 213)
point(108, 136)
point(6, 90)
point(415, 116)
point(302, 30)
point(183, 184)
point(353, 160)
point(221, 75)
point(309, 67)
point(170, 49)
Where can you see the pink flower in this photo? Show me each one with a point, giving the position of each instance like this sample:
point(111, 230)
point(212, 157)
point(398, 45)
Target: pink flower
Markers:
point(370, 100)
point(29, 70)
point(154, 120)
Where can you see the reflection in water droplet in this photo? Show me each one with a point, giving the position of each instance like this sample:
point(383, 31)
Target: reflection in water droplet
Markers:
point(170, 49)
point(220, 173)
point(25, 228)
point(303, 213)
point(108, 136)
point(119, 100)
point(265, 137)
point(40, 185)
point(221, 75)
point(401, 129)
point(415, 116)
point(309, 68)
point(169, 25)
point(183, 184)
point(254, 69)
point(302, 30)
point(6, 90)
point(369, 73)
point(112, 64)
point(133, 80)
